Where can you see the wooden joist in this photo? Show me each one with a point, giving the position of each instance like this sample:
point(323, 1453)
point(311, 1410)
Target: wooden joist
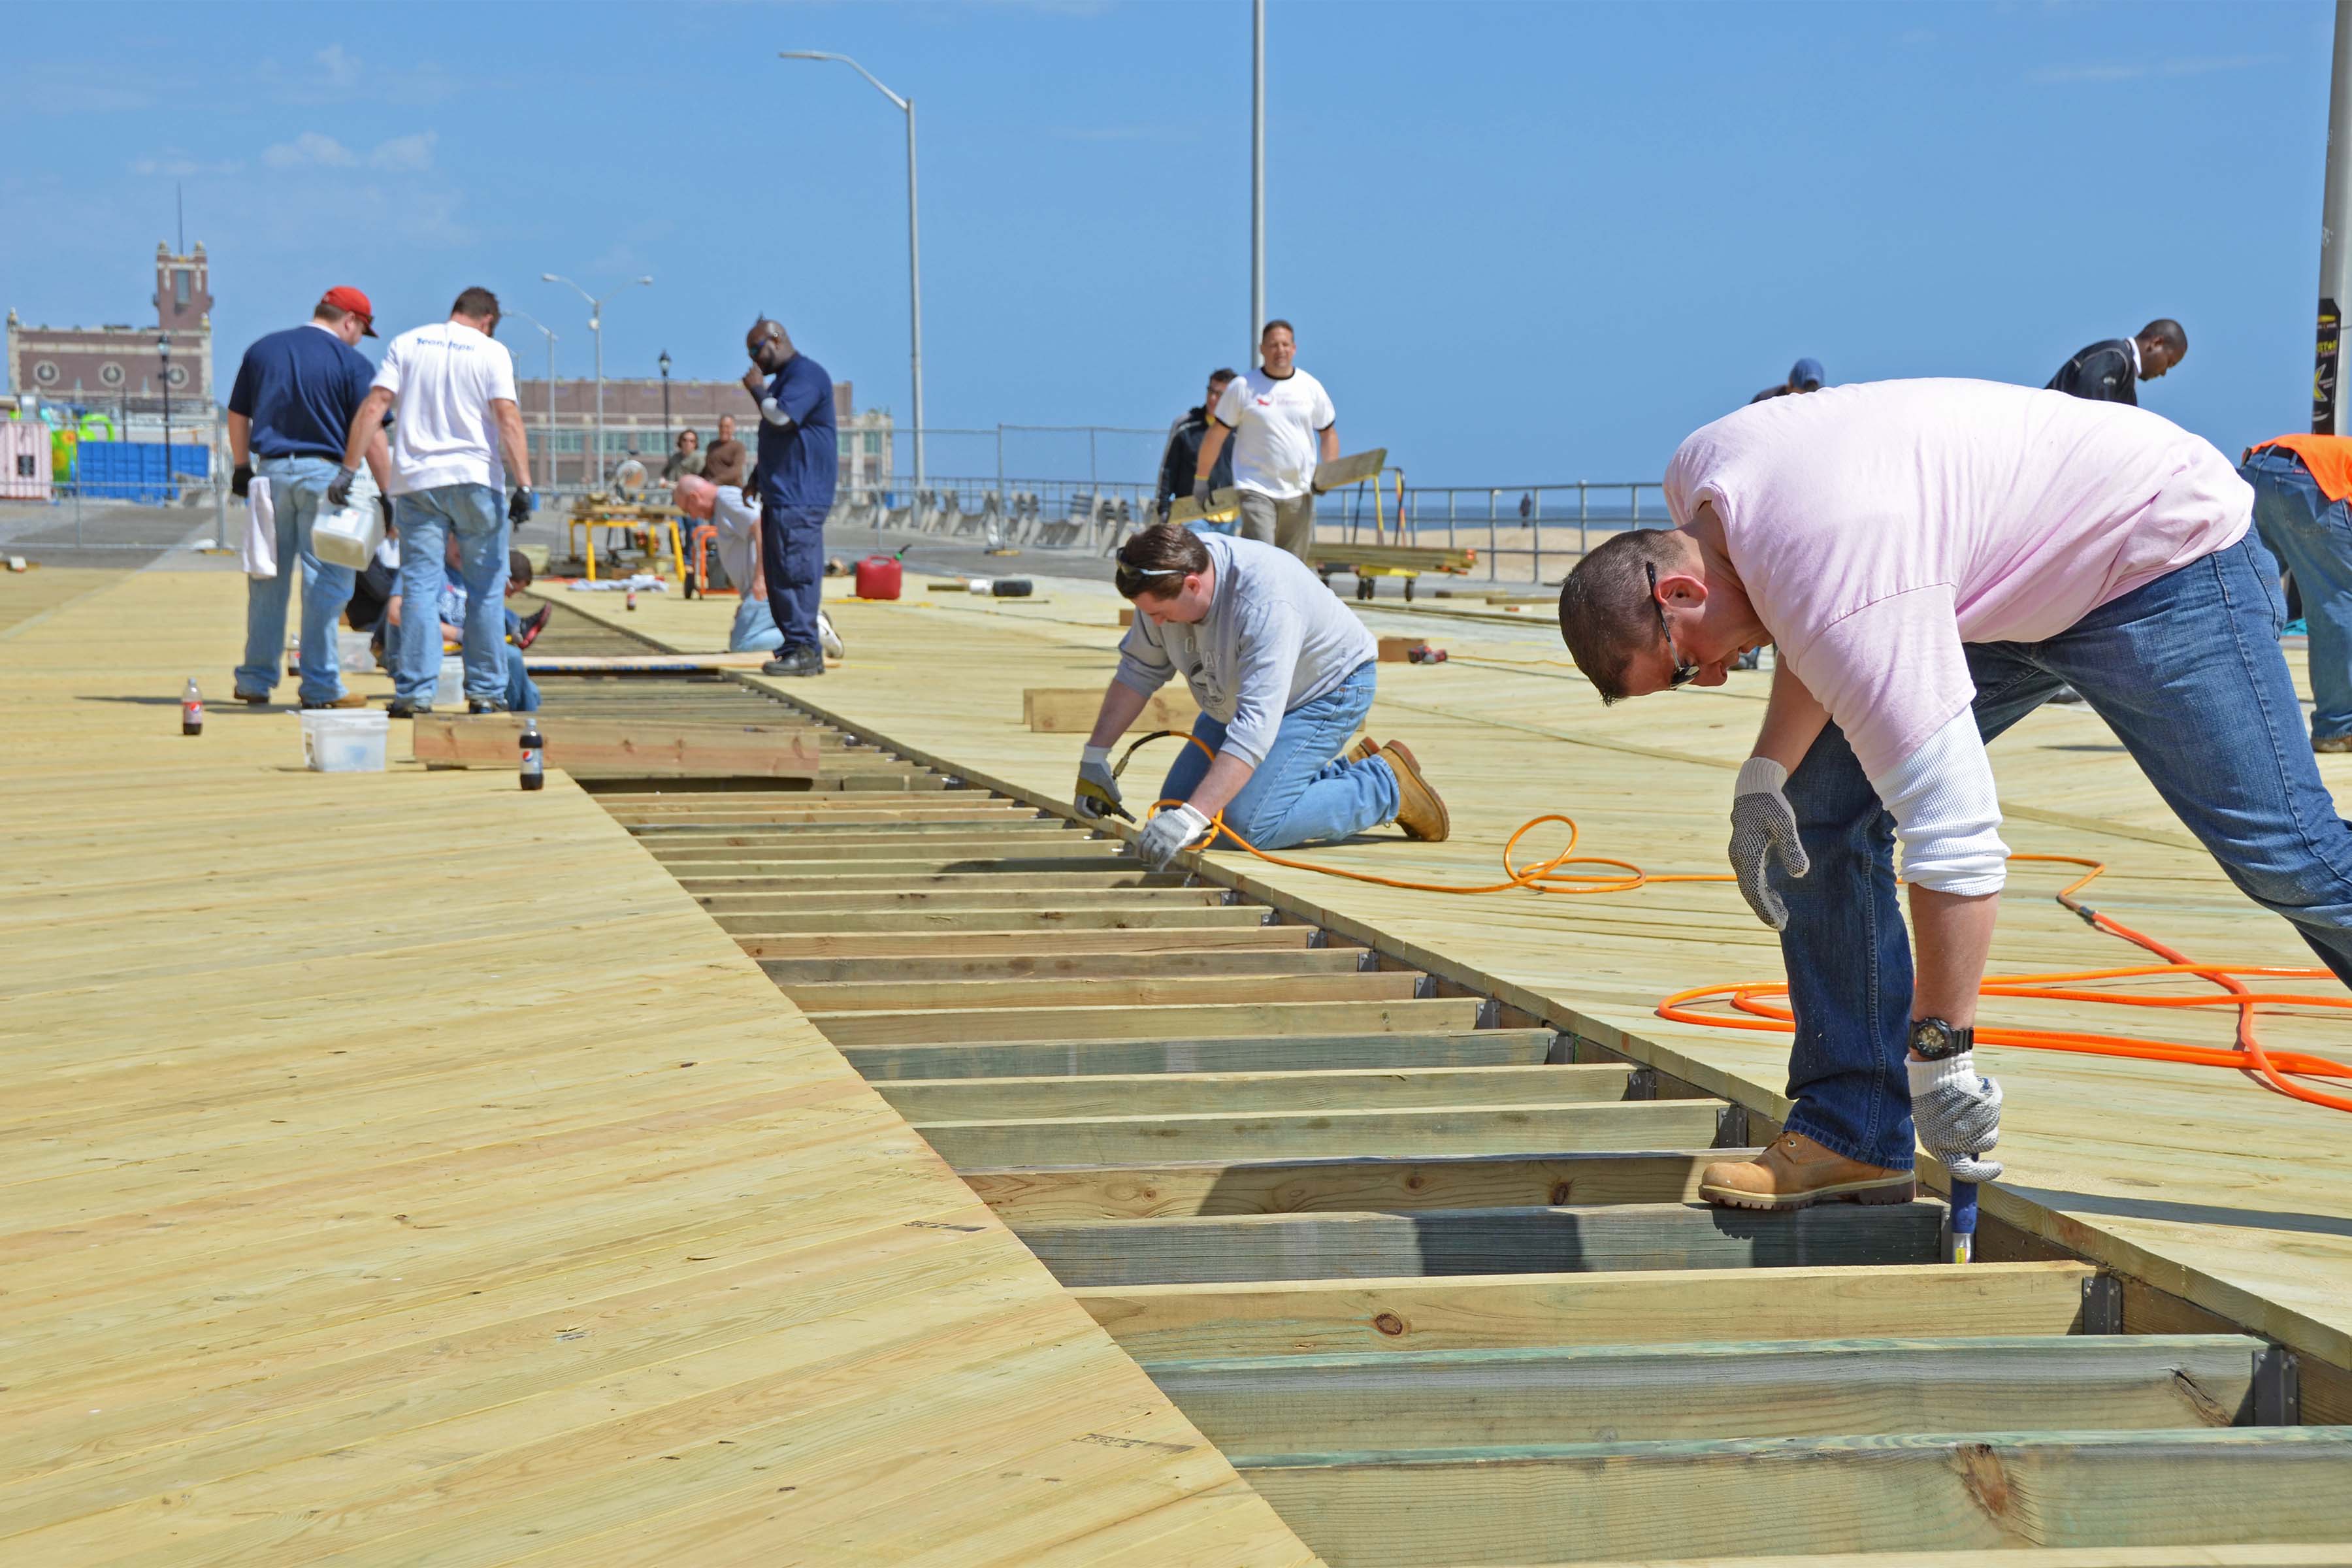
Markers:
point(1240, 1093)
point(1597, 1394)
point(592, 745)
point(1981, 1491)
point(747, 911)
point(1113, 1023)
point(784, 878)
point(1304, 1134)
point(1094, 1254)
point(1038, 1059)
point(1148, 993)
point(1071, 709)
point(983, 945)
point(1029, 1196)
point(1169, 1322)
point(1012, 854)
point(1292, 958)
point(981, 917)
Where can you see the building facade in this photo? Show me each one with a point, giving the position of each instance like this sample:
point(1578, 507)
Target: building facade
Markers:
point(563, 437)
point(121, 369)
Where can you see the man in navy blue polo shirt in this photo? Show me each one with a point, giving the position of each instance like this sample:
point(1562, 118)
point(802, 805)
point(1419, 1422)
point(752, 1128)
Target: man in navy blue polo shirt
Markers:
point(799, 456)
point(296, 394)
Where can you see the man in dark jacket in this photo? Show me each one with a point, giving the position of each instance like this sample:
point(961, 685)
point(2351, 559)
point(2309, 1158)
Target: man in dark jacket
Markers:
point(1184, 450)
point(2110, 372)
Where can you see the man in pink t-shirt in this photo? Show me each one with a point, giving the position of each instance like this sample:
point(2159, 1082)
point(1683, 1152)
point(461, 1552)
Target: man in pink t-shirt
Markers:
point(1933, 560)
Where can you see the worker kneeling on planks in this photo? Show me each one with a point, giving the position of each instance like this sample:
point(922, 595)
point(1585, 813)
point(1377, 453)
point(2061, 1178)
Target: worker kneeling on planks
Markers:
point(1284, 673)
point(1933, 559)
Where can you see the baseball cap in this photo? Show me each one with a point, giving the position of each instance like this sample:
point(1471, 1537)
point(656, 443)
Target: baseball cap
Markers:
point(1806, 372)
point(343, 297)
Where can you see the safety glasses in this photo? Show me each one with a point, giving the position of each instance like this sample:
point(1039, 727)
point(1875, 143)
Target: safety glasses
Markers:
point(1684, 671)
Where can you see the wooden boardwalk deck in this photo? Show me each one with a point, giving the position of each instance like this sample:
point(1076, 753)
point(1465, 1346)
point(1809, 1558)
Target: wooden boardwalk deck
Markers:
point(404, 1169)
point(2226, 1196)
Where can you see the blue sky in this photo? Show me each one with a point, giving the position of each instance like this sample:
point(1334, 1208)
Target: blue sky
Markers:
point(1522, 242)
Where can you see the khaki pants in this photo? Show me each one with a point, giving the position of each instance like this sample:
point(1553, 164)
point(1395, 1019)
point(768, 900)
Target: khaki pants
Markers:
point(1288, 523)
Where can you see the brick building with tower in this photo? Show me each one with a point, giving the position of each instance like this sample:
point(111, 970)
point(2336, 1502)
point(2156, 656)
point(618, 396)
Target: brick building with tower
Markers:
point(121, 368)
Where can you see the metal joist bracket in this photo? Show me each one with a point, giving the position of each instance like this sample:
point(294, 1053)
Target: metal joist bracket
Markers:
point(1426, 987)
point(2103, 1305)
point(1490, 1014)
point(1641, 1083)
point(1731, 1127)
point(2278, 1388)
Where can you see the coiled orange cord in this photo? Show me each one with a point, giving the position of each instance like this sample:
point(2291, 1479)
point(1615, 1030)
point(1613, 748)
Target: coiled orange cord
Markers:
point(2276, 1071)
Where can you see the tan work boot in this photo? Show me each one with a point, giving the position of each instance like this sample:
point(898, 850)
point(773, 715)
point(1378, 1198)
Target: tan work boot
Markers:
point(1796, 1172)
point(1419, 811)
point(2332, 743)
point(1363, 751)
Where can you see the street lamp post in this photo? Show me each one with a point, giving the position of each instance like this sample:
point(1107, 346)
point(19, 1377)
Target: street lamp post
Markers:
point(914, 246)
point(163, 351)
point(549, 444)
point(596, 325)
point(669, 440)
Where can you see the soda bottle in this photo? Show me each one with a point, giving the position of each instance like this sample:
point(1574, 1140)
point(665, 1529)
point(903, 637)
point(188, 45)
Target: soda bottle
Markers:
point(192, 710)
point(535, 755)
point(632, 597)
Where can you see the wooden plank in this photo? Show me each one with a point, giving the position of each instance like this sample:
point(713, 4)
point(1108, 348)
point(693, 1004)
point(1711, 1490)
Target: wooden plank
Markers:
point(723, 876)
point(1803, 1495)
point(989, 945)
point(1353, 469)
point(835, 999)
point(488, 740)
point(1202, 1249)
point(2325, 1554)
point(1308, 1134)
point(1259, 1018)
point(1601, 1394)
point(978, 852)
point(1479, 1047)
point(745, 912)
point(1171, 1323)
point(985, 918)
point(1071, 709)
point(1025, 1196)
point(1293, 958)
point(1210, 1093)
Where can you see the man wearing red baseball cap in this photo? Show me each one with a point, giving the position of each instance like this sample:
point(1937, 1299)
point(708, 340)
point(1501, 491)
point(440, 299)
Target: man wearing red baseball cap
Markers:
point(296, 394)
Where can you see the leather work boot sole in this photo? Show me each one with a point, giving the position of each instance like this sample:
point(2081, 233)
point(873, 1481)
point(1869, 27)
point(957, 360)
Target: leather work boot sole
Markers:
point(1796, 1172)
point(1363, 751)
point(1419, 812)
point(348, 700)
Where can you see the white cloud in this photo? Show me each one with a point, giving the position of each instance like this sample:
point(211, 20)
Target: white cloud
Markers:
point(337, 65)
point(405, 154)
point(309, 150)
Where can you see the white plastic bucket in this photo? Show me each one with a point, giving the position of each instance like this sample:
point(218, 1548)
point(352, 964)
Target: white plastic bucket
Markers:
point(345, 739)
point(449, 687)
point(355, 653)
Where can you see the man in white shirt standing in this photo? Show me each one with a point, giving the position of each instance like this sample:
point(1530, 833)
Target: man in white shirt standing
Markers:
point(453, 385)
point(1283, 426)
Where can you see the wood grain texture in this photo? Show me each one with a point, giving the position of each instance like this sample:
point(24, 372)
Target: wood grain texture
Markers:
point(1231, 1093)
point(479, 1208)
point(611, 746)
point(1071, 709)
point(1036, 1058)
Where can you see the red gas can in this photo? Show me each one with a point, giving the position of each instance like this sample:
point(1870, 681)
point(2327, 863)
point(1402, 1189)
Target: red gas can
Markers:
point(877, 577)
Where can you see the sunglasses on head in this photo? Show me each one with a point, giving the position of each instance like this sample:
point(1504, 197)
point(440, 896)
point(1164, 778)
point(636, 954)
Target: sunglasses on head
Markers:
point(1684, 671)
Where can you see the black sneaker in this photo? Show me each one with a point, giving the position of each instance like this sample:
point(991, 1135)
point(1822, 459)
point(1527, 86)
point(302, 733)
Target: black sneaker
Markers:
point(799, 661)
point(400, 710)
point(484, 705)
point(254, 699)
point(533, 624)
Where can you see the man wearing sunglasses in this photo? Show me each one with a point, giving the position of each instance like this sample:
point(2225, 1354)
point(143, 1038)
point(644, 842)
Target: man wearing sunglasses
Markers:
point(1933, 560)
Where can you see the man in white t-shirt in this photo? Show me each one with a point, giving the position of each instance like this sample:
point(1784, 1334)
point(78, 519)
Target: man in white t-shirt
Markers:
point(1933, 559)
point(1282, 426)
point(453, 387)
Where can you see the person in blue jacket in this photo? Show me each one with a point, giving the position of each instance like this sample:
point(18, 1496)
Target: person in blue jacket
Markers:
point(799, 457)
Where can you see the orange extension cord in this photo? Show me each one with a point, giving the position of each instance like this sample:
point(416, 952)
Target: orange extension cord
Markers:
point(1755, 997)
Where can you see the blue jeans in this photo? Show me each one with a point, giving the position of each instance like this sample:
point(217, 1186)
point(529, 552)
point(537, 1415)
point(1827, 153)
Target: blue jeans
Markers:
point(2186, 672)
point(792, 540)
point(519, 695)
point(1301, 794)
point(477, 515)
point(297, 486)
point(2312, 535)
point(755, 628)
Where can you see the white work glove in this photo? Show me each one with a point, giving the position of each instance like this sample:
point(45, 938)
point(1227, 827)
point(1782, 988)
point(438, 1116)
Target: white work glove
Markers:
point(1167, 833)
point(1763, 824)
point(1097, 796)
point(1958, 1113)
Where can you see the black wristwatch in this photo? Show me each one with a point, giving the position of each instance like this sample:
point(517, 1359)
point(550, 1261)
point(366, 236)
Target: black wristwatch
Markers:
point(1934, 1040)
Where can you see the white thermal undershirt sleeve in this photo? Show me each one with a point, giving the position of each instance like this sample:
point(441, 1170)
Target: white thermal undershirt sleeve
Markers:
point(773, 415)
point(1947, 813)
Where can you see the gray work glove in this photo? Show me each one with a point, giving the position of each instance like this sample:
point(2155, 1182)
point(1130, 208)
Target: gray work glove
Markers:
point(1097, 796)
point(1763, 824)
point(1169, 832)
point(1958, 1113)
point(339, 488)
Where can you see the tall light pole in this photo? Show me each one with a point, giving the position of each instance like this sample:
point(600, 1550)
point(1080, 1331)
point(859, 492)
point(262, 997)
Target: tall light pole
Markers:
point(2328, 392)
point(596, 325)
point(163, 354)
point(548, 333)
point(668, 440)
point(1257, 177)
point(914, 245)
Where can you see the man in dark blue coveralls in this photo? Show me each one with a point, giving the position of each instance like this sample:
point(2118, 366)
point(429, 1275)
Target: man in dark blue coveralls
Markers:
point(799, 454)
